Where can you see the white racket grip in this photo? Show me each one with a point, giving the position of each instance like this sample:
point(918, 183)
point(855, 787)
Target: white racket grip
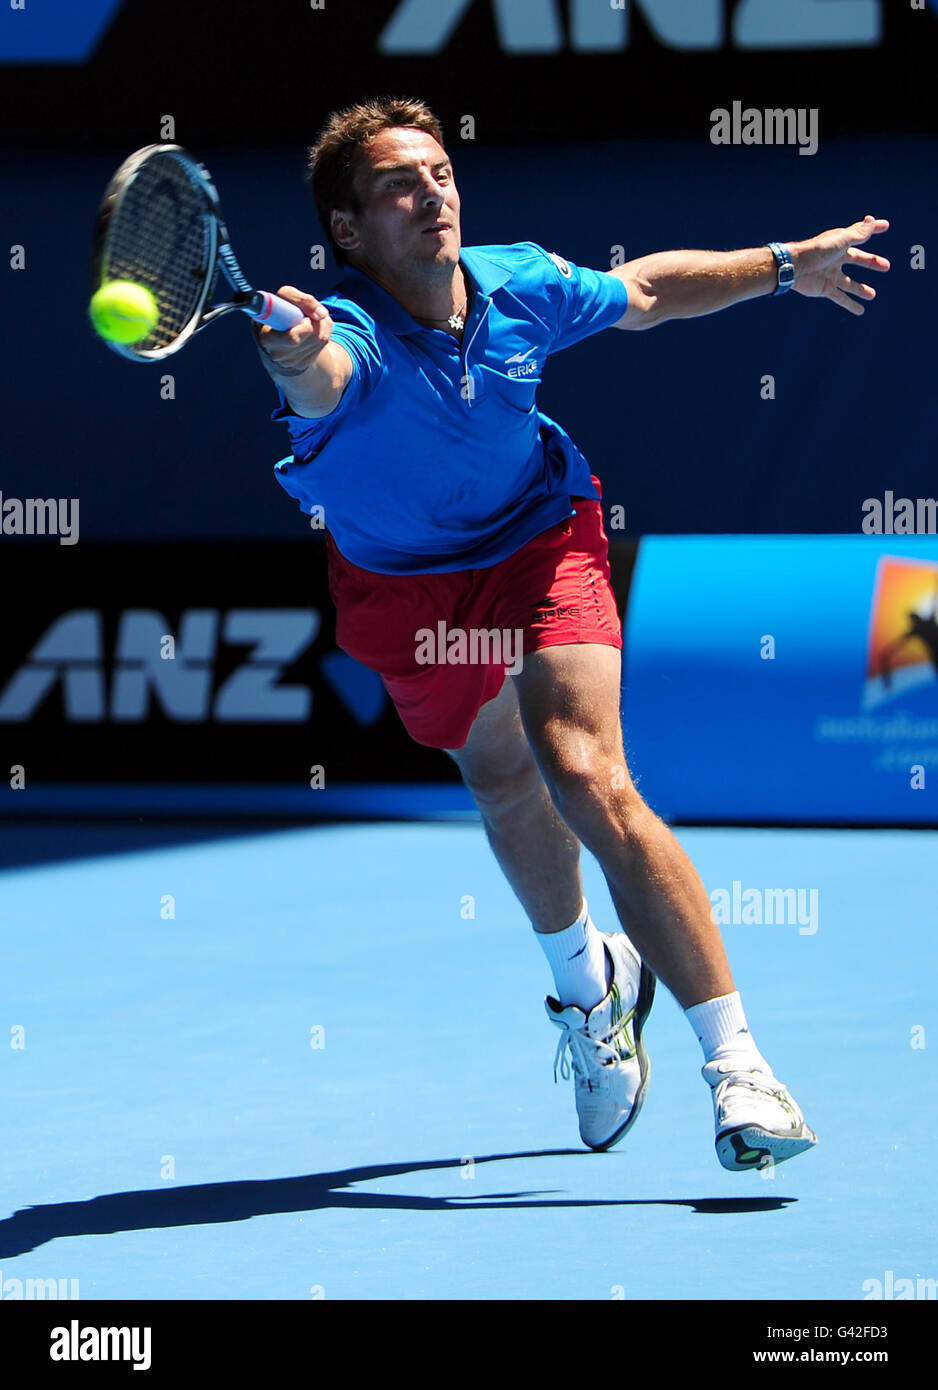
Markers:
point(278, 314)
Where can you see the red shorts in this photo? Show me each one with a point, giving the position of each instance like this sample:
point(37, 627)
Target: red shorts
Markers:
point(554, 591)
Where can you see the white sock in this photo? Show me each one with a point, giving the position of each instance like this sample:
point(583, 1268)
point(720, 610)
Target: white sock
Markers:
point(722, 1030)
point(577, 958)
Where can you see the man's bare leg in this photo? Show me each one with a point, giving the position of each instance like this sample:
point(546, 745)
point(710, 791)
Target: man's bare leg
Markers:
point(538, 854)
point(655, 889)
point(569, 702)
point(568, 699)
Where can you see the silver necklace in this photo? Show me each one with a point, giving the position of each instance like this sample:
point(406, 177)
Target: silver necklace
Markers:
point(456, 321)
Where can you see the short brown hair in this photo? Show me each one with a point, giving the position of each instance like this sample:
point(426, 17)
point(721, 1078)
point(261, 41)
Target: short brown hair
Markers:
point(334, 158)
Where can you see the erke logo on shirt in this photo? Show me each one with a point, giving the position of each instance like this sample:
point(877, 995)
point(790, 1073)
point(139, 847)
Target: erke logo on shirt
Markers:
point(525, 368)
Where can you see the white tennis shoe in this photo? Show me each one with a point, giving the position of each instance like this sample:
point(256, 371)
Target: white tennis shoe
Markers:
point(610, 1065)
point(757, 1121)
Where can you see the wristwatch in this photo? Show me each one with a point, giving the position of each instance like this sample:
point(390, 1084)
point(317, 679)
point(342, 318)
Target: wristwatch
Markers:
point(786, 268)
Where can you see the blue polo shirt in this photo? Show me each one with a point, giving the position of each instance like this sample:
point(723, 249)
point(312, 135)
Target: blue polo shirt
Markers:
point(436, 457)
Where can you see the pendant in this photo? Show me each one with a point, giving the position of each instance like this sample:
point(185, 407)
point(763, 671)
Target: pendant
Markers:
point(456, 322)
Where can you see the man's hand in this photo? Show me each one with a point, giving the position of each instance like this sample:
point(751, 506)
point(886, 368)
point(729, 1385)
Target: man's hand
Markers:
point(819, 263)
point(290, 353)
point(312, 371)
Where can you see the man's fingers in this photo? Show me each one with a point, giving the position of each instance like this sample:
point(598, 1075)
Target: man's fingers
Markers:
point(307, 302)
point(857, 287)
point(859, 231)
point(292, 350)
point(316, 313)
point(870, 226)
point(845, 301)
point(867, 259)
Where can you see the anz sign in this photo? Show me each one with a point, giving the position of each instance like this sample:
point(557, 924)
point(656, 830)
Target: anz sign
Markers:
point(98, 684)
point(421, 27)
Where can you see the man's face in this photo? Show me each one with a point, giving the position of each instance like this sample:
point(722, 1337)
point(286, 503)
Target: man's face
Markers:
point(410, 207)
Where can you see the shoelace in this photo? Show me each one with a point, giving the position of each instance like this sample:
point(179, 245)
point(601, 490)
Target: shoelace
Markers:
point(589, 1054)
point(770, 1086)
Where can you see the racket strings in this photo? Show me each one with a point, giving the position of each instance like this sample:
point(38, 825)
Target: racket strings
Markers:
point(159, 236)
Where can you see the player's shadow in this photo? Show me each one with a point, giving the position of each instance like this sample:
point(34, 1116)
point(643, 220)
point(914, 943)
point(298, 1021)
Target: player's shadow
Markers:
point(210, 1203)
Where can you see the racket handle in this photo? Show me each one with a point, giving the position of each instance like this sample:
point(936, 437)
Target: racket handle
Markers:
point(279, 314)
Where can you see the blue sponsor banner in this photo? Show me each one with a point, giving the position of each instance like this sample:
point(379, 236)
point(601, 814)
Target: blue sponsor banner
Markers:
point(785, 678)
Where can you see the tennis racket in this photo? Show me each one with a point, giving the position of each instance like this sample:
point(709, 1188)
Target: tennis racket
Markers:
point(160, 225)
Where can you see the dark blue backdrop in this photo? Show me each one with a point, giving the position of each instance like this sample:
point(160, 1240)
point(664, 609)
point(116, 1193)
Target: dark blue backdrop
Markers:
point(672, 420)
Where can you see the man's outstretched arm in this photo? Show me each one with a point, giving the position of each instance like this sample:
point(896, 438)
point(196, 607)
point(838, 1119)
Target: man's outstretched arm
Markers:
point(685, 284)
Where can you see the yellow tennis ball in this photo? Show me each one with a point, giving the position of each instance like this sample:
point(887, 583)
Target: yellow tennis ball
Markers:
point(123, 312)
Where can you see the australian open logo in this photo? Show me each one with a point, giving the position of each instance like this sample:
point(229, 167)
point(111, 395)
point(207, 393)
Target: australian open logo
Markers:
point(903, 639)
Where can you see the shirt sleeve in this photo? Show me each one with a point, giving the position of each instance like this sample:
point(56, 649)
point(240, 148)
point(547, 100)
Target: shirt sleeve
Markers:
point(583, 301)
point(354, 330)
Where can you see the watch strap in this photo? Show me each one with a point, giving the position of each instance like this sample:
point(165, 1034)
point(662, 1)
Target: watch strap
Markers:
point(786, 267)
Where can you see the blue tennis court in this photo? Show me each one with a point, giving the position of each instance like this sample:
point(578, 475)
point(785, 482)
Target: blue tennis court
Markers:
point(314, 1062)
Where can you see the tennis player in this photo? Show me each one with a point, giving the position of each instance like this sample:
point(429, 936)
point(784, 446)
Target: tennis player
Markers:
point(457, 511)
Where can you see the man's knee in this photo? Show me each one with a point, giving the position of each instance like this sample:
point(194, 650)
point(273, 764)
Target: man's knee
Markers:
point(588, 777)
